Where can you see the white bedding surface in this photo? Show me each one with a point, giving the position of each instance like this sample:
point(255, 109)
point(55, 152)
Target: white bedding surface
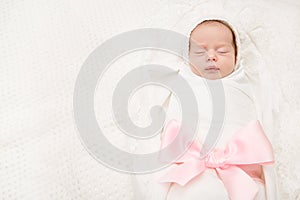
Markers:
point(44, 44)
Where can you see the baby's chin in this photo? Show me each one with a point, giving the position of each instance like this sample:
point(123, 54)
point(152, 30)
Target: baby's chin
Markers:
point(212, 76)
point(209, 75)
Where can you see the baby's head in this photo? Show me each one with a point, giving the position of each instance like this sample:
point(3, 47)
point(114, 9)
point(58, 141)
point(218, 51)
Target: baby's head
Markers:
point(212, 49)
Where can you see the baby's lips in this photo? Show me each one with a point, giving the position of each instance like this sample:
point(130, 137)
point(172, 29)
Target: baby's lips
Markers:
point(212, 67)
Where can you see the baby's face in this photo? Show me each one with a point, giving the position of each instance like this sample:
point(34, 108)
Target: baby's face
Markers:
point(212, 53)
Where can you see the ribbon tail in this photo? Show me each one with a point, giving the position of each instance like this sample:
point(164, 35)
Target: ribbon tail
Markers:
point(183, 173)
point(239, 184)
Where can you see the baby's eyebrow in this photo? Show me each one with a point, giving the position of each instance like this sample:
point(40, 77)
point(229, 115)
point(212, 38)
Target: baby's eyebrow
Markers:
point(224, 45)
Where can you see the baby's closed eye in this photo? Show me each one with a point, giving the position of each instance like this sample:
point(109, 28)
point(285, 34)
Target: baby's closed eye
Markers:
point(200, 52)
point(223, 51)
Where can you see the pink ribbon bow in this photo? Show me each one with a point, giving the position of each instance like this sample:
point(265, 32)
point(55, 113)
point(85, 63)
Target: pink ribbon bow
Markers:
point(249, 146)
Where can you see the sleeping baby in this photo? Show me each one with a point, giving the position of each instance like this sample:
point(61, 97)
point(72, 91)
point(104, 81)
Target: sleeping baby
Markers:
point(235, 166)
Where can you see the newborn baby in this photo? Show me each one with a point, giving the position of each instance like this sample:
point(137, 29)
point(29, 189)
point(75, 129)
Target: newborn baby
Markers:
point(234, 167)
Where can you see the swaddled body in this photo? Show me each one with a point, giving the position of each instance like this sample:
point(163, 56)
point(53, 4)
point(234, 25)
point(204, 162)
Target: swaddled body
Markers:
point(234, 167)
point(239, 112)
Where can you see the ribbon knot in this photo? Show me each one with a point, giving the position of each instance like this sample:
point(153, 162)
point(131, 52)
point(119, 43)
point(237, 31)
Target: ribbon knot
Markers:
point(215, 159)
point(249, 148)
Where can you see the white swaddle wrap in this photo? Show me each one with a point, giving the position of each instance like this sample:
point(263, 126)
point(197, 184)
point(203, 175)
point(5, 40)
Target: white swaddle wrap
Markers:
point(239, 110)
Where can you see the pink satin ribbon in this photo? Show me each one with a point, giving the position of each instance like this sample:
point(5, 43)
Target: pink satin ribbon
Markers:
point(248, 147)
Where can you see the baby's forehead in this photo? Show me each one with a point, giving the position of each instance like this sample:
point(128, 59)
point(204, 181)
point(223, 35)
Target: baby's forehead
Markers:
point(205, 33)
point(212, 31)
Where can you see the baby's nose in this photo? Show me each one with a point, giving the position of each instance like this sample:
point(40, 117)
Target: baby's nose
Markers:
point(211, 56)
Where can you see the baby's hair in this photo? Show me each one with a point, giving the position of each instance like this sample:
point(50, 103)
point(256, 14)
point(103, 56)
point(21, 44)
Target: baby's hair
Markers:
point(210, 21)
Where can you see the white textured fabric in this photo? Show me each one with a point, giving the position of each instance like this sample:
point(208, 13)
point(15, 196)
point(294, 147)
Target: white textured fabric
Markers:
point(43, 45)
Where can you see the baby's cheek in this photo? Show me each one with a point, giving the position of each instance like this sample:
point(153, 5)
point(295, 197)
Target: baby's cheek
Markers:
point(197, 61)
point(229, 64)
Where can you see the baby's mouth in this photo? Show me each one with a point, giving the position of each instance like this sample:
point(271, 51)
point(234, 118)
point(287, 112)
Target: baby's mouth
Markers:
point(211, 68)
